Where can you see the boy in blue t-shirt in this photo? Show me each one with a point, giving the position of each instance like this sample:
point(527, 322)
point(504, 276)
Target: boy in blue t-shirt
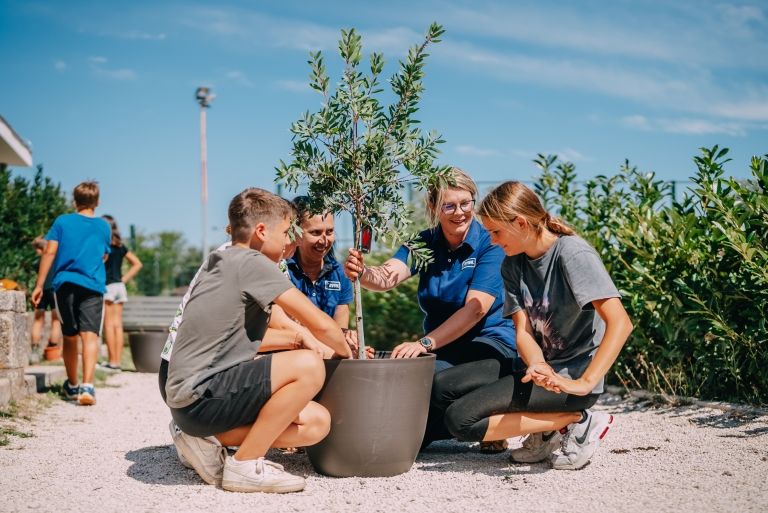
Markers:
point(77, 246)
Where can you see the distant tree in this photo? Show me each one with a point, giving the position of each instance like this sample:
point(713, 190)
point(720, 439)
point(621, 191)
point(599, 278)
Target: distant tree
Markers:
point(27, 210)
point(168, 261)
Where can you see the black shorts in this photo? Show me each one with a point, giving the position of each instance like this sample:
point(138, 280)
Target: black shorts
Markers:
point(80, 309)
point(234, 398)
point(47, 302)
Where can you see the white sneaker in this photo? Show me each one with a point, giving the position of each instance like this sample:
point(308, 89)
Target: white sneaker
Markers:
point(175, 432)
point(581, 440)
point(206, 457)
point(259, 475)
point(536, 447)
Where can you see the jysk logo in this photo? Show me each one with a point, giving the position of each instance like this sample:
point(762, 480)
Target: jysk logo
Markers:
point(469, 262)
point(332, 285)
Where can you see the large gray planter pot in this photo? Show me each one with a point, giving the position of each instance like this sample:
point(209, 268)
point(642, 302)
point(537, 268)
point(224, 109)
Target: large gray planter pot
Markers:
point(378, 415)
point(146, 347)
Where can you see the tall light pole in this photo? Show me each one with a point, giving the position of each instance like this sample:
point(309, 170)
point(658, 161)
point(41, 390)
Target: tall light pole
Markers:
point(204, 97)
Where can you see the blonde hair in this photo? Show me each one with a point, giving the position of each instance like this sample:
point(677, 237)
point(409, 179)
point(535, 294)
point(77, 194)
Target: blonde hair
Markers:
point(458, 180)
point(511, 200)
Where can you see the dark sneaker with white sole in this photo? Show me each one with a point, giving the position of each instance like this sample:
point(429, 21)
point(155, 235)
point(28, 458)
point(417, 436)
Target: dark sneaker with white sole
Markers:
point(70, 392)
point(536, 447)
point(581, 440)
point(87, 395)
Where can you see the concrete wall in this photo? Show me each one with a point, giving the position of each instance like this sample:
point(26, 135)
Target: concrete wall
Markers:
point(14, 345)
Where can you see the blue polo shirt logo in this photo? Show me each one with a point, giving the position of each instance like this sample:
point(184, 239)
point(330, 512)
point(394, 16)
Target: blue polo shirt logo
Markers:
point(332, 285)
point(468, 263)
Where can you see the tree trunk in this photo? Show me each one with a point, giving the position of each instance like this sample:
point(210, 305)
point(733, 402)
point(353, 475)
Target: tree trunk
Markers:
point(359, 319)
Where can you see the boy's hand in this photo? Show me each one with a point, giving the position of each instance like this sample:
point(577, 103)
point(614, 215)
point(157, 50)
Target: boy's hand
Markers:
point(354, 265)
point(311, 343)
point(37, 295)
point(351, 338)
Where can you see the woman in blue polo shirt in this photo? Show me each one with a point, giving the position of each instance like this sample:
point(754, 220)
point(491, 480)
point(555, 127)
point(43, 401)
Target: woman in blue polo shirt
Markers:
point(461, 291)
point(313, 268)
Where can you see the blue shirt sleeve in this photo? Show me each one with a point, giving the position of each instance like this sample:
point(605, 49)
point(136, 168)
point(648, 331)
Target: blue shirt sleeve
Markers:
point(487, 275)
point(402, 254)
point(347, 294)
point(55, 231)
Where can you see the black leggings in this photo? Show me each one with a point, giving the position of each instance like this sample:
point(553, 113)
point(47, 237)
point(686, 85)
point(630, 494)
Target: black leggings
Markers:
point(472, 392)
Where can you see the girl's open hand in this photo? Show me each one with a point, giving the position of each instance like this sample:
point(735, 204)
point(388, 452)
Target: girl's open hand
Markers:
point(559, 384)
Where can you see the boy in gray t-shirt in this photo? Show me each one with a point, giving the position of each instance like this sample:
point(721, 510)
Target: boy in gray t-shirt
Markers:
point(219, 391)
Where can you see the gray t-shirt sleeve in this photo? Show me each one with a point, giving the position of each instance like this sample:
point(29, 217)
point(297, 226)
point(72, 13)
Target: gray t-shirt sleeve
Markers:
point(587, 277)
point(261, 280)
point(510, 274)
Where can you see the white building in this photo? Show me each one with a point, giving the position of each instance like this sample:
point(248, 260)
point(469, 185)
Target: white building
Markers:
point(13, 150)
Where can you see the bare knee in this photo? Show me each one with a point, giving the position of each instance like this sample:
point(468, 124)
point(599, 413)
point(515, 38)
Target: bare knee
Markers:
point(317, 422)
point(309, 367)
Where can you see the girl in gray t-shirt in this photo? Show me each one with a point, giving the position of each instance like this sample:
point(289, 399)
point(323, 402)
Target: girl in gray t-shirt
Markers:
point(570, 326)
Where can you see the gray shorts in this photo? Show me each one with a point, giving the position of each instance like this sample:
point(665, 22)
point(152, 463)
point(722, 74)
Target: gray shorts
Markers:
point(116, 293)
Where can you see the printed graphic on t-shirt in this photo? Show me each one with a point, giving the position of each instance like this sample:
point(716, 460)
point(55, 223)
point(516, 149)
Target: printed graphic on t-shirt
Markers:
point(469, 262)
point(332, 285)
point(538, 313)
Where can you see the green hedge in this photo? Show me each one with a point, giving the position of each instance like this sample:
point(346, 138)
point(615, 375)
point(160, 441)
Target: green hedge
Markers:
point(694, 273)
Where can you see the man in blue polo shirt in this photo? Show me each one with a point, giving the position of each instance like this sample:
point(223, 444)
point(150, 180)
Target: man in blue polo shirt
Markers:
point(314, 270)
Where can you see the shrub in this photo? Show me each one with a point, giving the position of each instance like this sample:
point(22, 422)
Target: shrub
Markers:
point(694, 273)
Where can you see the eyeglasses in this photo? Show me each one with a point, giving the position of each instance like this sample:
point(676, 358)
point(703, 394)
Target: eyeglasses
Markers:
point(464, 206)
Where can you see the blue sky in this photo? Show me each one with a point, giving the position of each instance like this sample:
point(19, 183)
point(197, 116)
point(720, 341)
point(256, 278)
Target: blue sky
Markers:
point(105, 89)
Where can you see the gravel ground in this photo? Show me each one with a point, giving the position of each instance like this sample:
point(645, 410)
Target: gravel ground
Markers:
point(117, 456)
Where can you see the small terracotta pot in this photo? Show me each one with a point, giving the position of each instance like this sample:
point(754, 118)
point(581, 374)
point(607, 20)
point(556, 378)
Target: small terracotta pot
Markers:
point(51, 353)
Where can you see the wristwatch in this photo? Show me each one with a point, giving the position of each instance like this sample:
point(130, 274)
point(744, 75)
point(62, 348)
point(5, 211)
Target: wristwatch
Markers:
point(426, 343)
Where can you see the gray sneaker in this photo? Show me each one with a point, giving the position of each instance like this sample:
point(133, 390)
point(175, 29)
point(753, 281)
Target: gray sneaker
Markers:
point(175, 432)
point(259, 475)
point(206, 457)
point(536, 447)
point(581, 440)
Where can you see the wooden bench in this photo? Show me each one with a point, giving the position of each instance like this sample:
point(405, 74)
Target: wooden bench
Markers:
point(146, 320)
point(149, 313)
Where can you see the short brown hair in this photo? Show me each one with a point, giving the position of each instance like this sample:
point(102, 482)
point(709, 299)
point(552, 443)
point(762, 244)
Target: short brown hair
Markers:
point(254, 206)
point(86, 194)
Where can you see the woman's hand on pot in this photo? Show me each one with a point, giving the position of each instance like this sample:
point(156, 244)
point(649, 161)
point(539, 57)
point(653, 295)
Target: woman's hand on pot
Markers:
point(354, 265)
point(408, 350)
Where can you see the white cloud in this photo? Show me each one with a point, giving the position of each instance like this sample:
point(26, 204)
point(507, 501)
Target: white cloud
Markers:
point(256, 29)
point(239, 77)
point(689, 126)
point(100, 70)
point(685, 90)
point(294, 86)
point(60, 65)
point(117, 74)
point(570, 155)
point(636, 121)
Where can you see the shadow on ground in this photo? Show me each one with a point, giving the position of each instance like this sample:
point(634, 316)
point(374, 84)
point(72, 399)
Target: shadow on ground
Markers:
point(159, 465)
